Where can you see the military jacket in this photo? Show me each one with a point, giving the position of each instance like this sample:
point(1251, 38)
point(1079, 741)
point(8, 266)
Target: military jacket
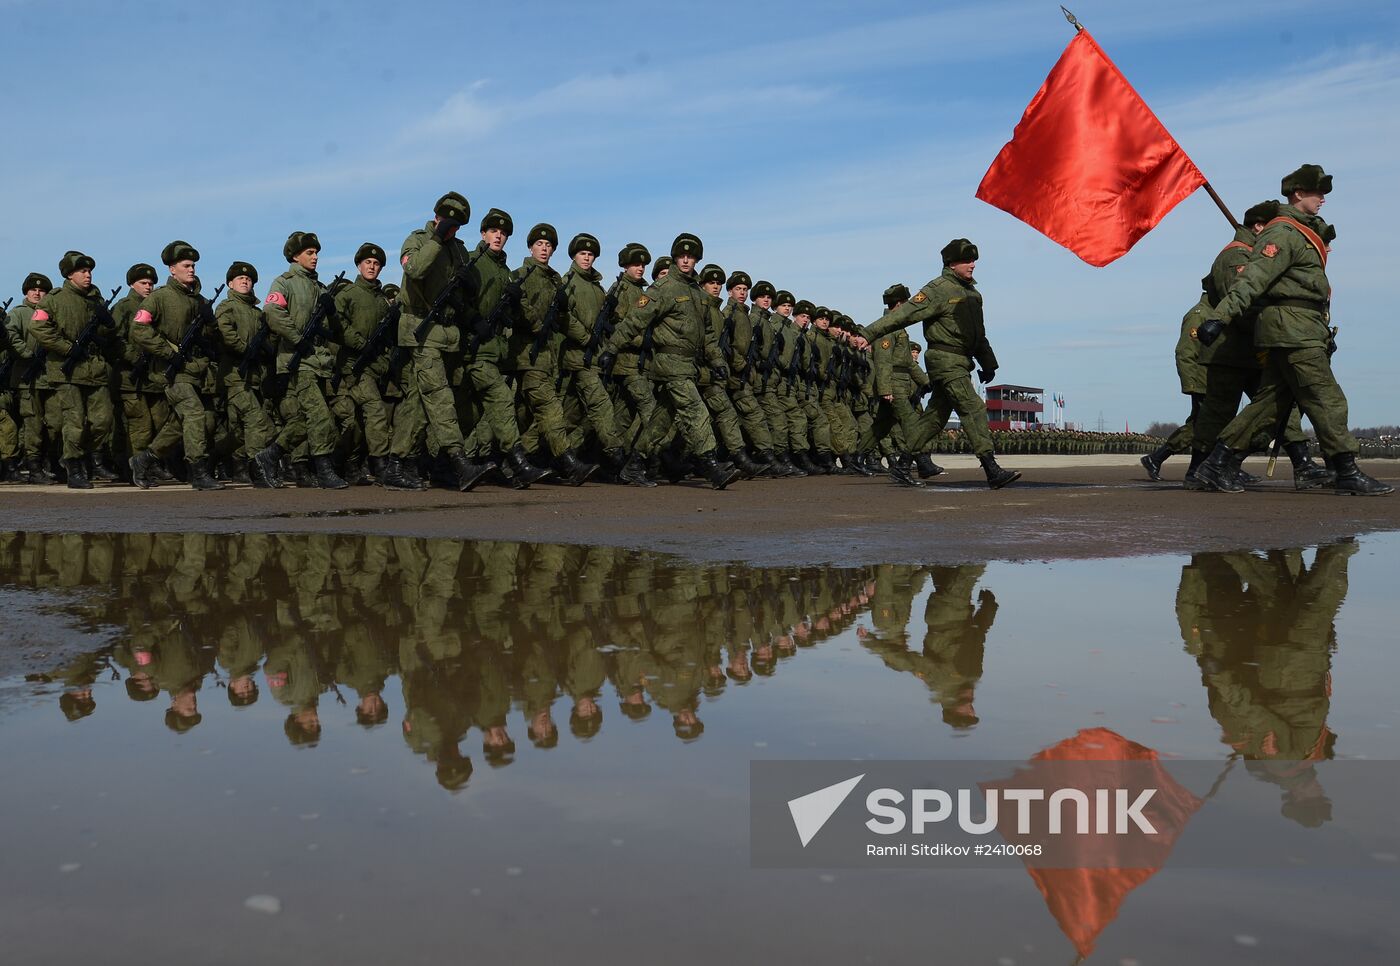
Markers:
point(19, 332)
point(57, 321)
point(237, 320)
point(428, 266)
point(767, 332)
point(1285, 282)
point(1235, 347)
point(489, 277)
point(675, 310)
point(359, 308)
point(586, 297)
point(536, 296)
point(951, 312)
point(288, 307)
point(124, 350)
point(628, 294)
point(161, 323)
point(739, 326)
point(714, 323)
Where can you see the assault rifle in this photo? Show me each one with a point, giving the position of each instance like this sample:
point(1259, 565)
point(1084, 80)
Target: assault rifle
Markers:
point(551, 321)
point(435, 311)
point(83, 343)
point(9, 363)
point(385, 331)
point(726, 335)
point(257, 346)
point(315, 330)
point(493, 324)
point(193, 335)
point(604, 325)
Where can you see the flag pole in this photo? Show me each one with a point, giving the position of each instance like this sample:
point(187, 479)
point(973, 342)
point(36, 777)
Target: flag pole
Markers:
point(1219, 203)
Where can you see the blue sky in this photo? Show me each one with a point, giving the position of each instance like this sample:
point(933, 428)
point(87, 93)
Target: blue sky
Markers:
point(830, 147)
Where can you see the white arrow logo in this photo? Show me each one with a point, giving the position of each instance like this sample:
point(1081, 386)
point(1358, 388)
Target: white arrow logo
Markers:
point(811, 811)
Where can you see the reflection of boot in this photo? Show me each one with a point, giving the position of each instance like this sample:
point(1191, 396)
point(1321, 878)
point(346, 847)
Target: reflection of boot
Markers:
point(1351, 480)
point(1306, 473)
point(200, 476)
point(1153, 461)
point(77, 475)
point(996, 476)
point(1221, 469)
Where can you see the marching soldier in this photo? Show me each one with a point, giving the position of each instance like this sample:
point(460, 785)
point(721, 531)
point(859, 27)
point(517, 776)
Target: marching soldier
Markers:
point(723, 416)
point(743, 349)
point(29, 378)
point(587, 399)
point(359, 308)
point(1285, 280)
point(950, 307)
point(82, 391)
point(304, 368)
point(238, 320)
point(159, 329)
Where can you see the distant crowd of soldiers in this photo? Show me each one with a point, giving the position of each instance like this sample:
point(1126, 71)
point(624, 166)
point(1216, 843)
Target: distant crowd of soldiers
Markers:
point(471, 372)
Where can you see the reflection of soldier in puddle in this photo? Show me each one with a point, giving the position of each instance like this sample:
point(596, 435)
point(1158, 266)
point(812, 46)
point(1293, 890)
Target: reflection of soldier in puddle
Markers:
point(439, 701)
point(955, 635)
point(1261, 626)
point(296, 675)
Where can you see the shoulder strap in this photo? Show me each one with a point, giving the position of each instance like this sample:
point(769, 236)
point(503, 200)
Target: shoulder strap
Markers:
point(1313, 237)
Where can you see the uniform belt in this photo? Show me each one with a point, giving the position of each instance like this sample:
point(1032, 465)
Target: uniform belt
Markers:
point(1315, 304)
point(674, 352)
point(954, 350)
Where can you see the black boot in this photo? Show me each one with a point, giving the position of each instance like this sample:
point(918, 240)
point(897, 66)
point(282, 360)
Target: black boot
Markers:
point(634, 472)
point(614, 460)
point(720, 475)
point(267, 463)
point(1351, 480)
point(469, 474)
point(376, 469)
point(1153, 461)
point(200, 476)
point(38, 472)
point(928, 469)
point(7, 471)
point(805, 463)
point(143, 465)
point(301, 469)
point(101, 469)
point(857, 464)
point(1247, 479)
point(901, 470)
point(1306, 473)
point(747, 468)
point(1191, 482)
point(161, 473)
point(77, 475)
point(326, 476)
point(1220, 471)
point(395, 477)
point(238, 471)
point(790, 468)
point(572, 470)
point(354, 474)
point(525, 471)
point(996, 476)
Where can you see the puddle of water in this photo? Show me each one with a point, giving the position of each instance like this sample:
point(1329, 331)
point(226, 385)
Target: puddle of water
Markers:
point(406, 750)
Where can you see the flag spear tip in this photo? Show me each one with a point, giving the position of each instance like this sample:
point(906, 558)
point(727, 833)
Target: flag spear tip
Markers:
point(1070, 17)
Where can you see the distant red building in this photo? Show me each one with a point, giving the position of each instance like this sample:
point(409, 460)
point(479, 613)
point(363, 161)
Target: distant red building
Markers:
point(1014, 407)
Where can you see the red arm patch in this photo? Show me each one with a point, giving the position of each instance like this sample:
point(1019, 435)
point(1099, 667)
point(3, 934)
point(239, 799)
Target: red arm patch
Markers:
point(276, 298)
point(39, 316)
point(143, 317)
point(404, 260)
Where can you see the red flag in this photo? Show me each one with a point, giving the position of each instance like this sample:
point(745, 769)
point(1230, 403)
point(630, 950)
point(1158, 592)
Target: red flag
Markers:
point(1089, 165)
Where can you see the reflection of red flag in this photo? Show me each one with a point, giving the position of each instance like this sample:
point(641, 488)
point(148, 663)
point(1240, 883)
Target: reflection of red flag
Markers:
point(1085, 900)
point(1089, 165)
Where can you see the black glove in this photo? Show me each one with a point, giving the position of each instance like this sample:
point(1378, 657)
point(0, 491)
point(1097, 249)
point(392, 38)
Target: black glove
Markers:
point(720, 372)
point(986, 375)
point(445, 227)
point(606, 360)
point(1209, 330)
point(1331, 346)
